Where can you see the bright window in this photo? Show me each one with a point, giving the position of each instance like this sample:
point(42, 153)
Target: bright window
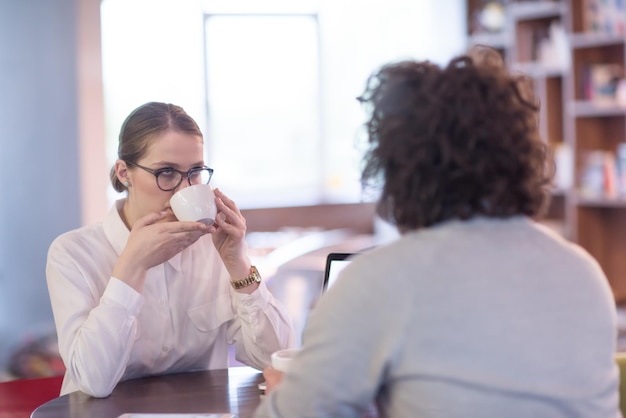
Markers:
point(271, 83)
point(263, 108)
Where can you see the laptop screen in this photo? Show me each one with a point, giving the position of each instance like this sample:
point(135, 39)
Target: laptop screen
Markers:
point(335, 262)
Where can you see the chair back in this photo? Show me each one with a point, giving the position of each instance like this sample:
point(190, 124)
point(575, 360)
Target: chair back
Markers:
point(20, 397)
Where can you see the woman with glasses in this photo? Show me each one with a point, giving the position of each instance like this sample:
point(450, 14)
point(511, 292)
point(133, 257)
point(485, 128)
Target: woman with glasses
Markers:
point(142, 293)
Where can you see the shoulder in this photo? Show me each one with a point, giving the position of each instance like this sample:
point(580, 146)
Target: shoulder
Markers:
point(414, 248)
point(564, 250)
point(77, 239)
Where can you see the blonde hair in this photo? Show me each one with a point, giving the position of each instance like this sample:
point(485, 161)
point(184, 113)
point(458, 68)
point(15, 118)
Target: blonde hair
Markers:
point(142, 125)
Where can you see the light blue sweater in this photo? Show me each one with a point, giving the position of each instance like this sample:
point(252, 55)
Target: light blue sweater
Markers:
point(484, 318)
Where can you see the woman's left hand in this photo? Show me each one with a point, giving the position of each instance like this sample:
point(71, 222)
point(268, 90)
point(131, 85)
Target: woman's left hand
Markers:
point(229, 232)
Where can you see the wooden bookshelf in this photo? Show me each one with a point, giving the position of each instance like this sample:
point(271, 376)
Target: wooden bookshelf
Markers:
point(576, 112)
point(597, 125)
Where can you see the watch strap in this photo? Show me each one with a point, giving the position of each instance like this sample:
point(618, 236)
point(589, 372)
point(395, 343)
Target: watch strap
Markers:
point(253, 277)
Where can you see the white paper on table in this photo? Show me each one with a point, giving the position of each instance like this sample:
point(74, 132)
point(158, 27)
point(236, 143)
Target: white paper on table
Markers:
point(142, 415)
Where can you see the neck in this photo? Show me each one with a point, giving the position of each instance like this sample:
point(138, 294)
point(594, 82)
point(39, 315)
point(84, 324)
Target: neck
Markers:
point(126, 216)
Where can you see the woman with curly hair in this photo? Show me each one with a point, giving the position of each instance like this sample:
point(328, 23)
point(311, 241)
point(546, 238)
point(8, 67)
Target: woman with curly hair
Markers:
point(476, 310)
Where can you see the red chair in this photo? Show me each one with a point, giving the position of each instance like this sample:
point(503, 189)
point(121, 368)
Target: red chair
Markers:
point(19, 398)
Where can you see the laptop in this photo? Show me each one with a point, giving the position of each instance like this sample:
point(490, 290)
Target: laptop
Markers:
point(335, 262)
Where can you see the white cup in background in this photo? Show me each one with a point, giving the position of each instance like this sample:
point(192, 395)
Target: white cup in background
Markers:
point(195, 203)
point(282, 358)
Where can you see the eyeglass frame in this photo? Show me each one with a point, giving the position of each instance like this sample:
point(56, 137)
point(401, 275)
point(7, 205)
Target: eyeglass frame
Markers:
point(183, 174)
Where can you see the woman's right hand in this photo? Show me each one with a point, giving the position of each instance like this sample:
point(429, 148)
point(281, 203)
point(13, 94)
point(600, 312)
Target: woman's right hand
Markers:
point(152, 242)
point(272, 378)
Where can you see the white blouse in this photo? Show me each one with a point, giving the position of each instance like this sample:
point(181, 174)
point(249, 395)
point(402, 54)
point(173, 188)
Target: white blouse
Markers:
point(185, 319)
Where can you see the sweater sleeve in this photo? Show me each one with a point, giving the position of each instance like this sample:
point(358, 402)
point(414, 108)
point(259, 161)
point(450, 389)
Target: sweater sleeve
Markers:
point(347, 346)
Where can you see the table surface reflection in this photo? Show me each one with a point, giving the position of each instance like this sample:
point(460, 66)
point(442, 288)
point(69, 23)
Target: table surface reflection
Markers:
point(232, 390)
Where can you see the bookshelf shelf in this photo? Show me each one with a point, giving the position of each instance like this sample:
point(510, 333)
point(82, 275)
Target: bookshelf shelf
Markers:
point(600, 202)
point(536, 10)
point(537, 69)
point(590, 109)
point(558, 193)
point(593, 40)
point(495, 40)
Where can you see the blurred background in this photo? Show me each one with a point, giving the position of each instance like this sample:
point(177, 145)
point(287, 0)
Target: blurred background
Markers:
point(271, 83)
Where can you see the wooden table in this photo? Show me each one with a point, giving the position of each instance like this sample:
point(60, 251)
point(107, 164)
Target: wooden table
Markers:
point(232, 390)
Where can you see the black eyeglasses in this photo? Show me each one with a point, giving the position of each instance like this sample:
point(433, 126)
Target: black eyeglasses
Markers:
point(168, 179)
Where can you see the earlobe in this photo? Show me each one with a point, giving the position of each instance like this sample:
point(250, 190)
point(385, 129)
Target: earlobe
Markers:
point(122, 172)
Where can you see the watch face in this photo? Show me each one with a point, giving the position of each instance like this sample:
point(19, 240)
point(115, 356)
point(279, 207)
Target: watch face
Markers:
point(255, 277)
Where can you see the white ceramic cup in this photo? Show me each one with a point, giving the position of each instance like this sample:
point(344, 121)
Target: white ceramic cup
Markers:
point(195, 203)
point(282, 358)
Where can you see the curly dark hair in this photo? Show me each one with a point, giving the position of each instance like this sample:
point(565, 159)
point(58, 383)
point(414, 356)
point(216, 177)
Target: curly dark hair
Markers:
point(454, 142)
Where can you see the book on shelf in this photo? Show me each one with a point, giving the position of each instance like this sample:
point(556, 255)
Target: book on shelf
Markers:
point(604, 16)
point(600, 81)
point(599, 175)
point(620, 167)
point(604, 173)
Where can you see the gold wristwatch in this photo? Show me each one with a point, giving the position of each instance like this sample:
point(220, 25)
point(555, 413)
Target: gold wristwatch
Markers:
point(253, 277)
